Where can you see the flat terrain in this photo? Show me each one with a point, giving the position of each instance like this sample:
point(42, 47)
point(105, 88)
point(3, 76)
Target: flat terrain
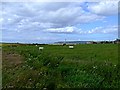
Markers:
point(84, 66)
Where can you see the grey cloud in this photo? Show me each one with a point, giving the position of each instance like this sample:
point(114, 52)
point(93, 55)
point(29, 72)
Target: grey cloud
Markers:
point(40, 16)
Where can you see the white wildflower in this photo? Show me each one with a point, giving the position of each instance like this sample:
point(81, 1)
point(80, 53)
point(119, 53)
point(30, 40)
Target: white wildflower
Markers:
point(94, 66)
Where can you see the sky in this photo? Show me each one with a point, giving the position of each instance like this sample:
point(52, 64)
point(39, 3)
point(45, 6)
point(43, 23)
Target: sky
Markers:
point(49, 22)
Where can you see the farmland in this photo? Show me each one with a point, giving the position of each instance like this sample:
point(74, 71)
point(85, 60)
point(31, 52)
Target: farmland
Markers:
point(57, 66)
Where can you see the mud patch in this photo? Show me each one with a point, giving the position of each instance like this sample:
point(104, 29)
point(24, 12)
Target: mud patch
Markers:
point(11, 58)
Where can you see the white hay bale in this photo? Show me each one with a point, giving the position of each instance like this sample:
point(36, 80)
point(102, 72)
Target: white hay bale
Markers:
point(71, 47)
point(41, 48)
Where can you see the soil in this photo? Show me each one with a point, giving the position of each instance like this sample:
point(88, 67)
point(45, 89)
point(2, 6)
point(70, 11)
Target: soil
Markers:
point(11, 58)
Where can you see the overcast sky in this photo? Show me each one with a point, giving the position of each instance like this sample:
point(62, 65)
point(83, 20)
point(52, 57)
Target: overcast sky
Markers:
point(48, 22)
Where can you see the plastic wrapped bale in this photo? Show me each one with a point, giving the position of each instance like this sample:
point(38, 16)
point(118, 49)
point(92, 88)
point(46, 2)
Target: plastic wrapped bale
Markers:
point(71, 47)
point(41, 48)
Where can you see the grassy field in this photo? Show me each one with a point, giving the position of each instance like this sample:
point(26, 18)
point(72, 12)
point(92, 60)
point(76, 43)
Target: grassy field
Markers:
point(85, 66)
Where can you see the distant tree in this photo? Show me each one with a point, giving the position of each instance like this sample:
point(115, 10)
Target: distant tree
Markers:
point(94, 42)
point(64, 44)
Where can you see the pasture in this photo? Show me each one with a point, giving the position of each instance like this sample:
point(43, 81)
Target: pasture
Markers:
point(57, 66)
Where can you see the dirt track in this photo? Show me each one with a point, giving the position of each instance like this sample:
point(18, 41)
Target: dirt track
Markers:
point(11, 58)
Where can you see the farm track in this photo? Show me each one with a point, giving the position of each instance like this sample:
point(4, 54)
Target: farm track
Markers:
point(12, 58)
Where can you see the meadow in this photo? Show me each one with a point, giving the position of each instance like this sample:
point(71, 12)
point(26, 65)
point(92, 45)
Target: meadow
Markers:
point(57, 66)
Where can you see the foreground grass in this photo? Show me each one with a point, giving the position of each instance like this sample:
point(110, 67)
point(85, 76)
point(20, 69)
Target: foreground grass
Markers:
point(85, 66)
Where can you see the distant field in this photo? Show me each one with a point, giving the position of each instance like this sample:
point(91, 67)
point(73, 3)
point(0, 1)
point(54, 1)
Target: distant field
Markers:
point(85, 66)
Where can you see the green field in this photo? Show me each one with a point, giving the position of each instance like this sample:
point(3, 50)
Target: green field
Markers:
point(85, 66)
